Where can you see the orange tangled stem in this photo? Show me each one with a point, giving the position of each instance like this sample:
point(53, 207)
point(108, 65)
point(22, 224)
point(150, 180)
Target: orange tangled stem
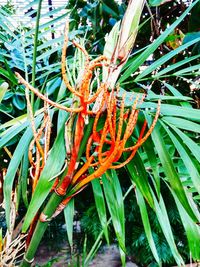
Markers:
point(105, 146)
point(111, 154)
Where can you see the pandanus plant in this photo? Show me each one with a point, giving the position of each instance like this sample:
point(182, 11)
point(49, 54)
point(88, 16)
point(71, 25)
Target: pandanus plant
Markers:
point(102, 106)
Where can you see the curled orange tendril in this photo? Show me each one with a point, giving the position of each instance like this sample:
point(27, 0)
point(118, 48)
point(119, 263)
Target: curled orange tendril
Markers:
point(105, 146)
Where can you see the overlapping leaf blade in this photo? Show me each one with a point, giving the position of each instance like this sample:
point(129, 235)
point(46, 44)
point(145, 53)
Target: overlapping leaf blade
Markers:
point(52, 167)
point(194, 148)
point(195, 176)
point(182, 124)
point(147, 52)
point(113, 194)
point(163, 219)
point(146, 223)
point(100, 206)
point(170, 171)
point(192, 230)
point(69, 219)
point(154, 163)
point(174, 66)
point(20, 150)
point(138, 176)
point(175, 111)
point(164, 59)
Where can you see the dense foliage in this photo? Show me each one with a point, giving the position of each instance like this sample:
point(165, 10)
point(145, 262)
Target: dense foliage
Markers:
point(159, 202)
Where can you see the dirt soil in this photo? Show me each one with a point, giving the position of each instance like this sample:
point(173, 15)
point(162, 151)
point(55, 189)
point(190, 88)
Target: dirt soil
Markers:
point(109, 257)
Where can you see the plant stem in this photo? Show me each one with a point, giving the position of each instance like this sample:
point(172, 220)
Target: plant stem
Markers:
point(41, 227)
point(35, 48)
point(51, 207)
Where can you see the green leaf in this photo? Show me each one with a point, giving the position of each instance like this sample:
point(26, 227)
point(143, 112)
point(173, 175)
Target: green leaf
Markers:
point(46, 25)
point(52, 85)
point(192, 230)
point(157, 2)
point(186, 159)
point(19, 102)
point(114, 198)
point(175, 92)
point(164, 59)
point(14, 122)
point(100, 206)
point(186, 70)
point(109, 10)
point(61, 92)
point(6, 28)
point(153, 160)
point(50, 43)
point(194, 148)
point(98, 240)
point(6, 109)
point(147, 52)
point(191, 36)
point(174, 66)
point(84, 251)
point(172, 89)
point(3, 88)
point(146, 223)
point(12, 76)
point(46, 54)
point(69, 218)
point(182, 124)
point(54, 11)
point(52, 167)
point(30, 4)
point(151, 96)
point(189, 69)
point(22, 191)
point(174, 110)
point(23, 178)
point(20, 150)
point(94, 248)
point(163, 219)
point(169, 169)
point(7, 75)
point(138, 176)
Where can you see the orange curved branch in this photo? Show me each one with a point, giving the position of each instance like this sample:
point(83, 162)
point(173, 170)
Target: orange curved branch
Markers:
point(121, 120)
point(99, 113)
point(101, 143)
point(82, 170)
point(87, 58)
point(88, 147)
point(148, 133)
point(44, 98)
point(95, 95)
point(110, 109)
point(133, 152)
point(97, 173)
point(100, 58)
point(125, 162)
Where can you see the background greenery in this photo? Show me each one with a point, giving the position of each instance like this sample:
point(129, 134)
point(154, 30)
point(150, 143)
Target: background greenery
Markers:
point(160, 213)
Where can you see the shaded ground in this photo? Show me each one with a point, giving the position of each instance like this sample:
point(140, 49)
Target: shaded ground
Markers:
point(109, 257)
point(56, 255)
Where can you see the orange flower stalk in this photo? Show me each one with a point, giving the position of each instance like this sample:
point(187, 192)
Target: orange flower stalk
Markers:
point(106, 146)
